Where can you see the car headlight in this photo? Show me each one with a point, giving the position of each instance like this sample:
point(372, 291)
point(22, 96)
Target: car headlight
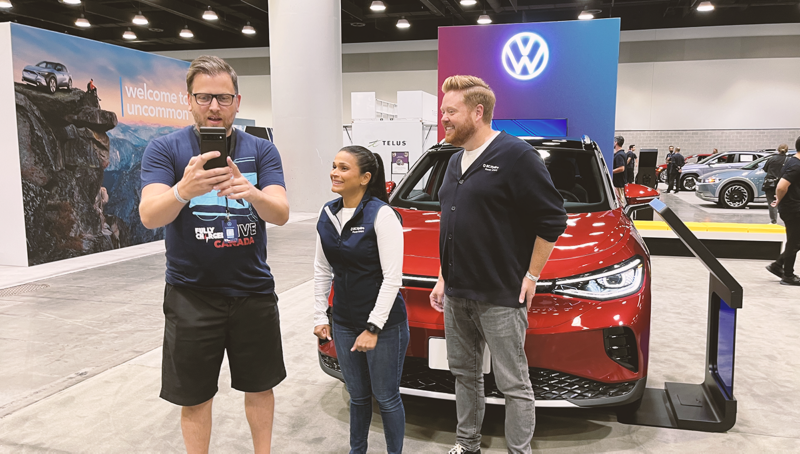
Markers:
point(713, 179)
point(617, 281)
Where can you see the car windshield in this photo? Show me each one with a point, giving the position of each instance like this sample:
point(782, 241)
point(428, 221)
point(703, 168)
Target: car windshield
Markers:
point(575, 173)
point(758, 163)
point(42, 64)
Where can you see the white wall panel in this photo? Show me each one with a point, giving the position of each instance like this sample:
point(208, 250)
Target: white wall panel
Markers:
point(711, 94)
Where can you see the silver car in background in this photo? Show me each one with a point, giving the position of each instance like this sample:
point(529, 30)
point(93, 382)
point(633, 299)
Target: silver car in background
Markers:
point(692, 173)
point(735, 188)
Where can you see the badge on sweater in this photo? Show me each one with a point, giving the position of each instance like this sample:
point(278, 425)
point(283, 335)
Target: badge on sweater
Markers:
point(230, 231)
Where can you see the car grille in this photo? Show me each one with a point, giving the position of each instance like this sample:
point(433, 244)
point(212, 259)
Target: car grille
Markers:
point(547, 384)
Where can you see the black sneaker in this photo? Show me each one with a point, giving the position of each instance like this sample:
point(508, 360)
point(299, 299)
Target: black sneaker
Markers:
point(791, 280)
point(458, 449)
point(775, 269)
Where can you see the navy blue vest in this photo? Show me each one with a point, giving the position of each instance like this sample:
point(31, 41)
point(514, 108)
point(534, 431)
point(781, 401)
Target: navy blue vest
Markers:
point(353, 256)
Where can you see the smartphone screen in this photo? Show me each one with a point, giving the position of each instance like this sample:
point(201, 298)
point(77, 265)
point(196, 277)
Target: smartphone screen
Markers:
point(214, 139)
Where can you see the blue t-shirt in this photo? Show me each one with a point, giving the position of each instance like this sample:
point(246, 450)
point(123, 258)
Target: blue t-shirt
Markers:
point(197, 255)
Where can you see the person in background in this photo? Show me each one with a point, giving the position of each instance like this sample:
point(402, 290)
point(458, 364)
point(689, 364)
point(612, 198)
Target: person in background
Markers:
point(774, 168)
point(618, 174)
point(630, 165)
point(714, 151)
point(787, 199)
point(676, 163)
point(360, 249)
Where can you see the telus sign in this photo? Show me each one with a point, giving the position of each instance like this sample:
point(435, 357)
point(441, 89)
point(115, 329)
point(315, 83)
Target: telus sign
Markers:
point(550, 70)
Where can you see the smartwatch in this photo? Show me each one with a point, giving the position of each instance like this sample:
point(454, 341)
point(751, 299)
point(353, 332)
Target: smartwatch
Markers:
point(372, 328)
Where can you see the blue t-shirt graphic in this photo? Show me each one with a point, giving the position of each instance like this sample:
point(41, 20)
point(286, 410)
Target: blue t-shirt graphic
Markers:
point(198, 256)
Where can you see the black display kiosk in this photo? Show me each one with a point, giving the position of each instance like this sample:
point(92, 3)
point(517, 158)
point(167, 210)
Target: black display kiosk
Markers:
point(709, 406)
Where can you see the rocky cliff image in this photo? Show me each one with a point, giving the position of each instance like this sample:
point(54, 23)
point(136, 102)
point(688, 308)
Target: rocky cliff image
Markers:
point(80, 175)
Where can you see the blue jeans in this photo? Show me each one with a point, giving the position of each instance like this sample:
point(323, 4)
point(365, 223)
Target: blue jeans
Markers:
point(468, 326)
point(376, 372)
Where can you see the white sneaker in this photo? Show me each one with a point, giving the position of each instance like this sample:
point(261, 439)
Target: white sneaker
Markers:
point(458, 449)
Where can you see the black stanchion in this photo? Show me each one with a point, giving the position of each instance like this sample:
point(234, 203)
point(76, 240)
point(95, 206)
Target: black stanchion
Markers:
point(708, 406)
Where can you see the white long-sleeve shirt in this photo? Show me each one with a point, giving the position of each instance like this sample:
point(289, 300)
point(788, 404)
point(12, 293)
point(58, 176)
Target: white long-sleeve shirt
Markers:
point(389, 233)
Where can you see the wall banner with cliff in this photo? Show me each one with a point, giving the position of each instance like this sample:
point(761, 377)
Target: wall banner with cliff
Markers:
point(85, 111)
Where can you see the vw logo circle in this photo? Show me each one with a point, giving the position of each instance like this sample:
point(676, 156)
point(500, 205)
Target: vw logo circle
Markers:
point(525, 55)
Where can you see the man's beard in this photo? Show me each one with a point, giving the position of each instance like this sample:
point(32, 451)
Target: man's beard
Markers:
point(462, 134)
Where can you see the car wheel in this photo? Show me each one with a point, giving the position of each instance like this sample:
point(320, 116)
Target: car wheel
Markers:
point(689, 182)
point(69, 85)
point(51, 84)
point(662, 177)
point(735, 195)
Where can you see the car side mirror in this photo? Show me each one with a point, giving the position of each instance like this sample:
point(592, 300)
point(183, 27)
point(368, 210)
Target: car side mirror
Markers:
point(390, 185)
point(638, 196)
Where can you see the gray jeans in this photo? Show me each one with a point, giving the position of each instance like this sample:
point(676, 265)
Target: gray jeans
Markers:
point(468, 326)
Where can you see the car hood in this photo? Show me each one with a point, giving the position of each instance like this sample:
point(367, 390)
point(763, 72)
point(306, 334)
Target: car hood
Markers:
point(35, 68)
point(589, 238)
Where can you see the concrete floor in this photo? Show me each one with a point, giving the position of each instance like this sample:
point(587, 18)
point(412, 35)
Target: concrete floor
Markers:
point(80, 367)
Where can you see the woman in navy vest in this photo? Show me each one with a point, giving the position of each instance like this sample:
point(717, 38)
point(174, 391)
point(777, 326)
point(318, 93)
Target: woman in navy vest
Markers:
point(360, 248)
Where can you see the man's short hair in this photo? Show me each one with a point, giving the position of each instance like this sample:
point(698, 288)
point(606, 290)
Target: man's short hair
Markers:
point(210, 65)
point(630, 147)
point(475, 91)
point(677, 148)
point(797, 145)
point(619, 140)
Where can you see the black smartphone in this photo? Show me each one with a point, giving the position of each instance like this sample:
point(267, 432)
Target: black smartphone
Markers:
point(214, 139)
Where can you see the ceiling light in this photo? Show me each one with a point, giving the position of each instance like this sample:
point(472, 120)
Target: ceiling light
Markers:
point(377, 6)
point(586, 15)
point(186, 33)
point(403, 23)
point(5, 4)
point(484, 19)
point(705, 6)
point(71, 2)
point(468, 2)
point(82, 22)
point(210, 14)
point(139, 19)
point(129, 34)
point(248, 29)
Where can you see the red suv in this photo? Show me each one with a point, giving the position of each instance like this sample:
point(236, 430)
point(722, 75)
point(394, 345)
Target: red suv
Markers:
point(589, 324)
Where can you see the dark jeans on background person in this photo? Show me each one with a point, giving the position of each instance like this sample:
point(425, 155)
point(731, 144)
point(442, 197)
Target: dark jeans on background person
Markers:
point(674, 180)
point(789, 255)
point(629, 177)
point(469, 325)
point(773, 211)
point(376, 372)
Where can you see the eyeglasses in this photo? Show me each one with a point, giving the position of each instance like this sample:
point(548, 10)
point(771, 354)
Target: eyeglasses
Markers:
point(204, 99)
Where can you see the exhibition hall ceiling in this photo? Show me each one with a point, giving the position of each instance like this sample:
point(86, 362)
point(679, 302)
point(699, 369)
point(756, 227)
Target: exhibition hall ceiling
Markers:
point(108, 20)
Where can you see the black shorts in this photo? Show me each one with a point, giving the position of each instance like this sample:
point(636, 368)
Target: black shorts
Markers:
point(200, 326)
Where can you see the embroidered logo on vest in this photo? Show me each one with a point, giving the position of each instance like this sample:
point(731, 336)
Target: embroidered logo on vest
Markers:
point(357, 229)
point(490, 168)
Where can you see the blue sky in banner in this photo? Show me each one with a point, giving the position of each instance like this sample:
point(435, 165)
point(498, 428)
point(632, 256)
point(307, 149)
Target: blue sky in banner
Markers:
point(151, 87)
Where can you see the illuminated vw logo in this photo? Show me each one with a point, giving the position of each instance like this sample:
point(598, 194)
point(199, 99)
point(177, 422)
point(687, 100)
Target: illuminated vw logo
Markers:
point(525, 55)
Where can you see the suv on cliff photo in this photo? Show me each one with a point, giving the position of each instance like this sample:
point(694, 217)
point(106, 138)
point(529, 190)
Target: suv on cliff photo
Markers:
point(48, 74)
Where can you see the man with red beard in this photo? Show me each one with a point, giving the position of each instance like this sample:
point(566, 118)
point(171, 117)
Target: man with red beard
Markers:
point(501, 216)
point(220, 294)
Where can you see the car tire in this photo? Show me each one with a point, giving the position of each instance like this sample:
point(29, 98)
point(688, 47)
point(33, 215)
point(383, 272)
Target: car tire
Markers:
point(662, 177)
point(689, 183)
point(69, 85)
point(52, 86)
point(735, 196)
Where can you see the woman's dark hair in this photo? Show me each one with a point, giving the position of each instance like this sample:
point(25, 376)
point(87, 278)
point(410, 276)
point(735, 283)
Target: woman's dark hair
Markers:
point(368, 161)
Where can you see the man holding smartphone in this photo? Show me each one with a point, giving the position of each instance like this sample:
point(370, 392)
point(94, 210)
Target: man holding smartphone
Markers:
point(220, 293)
